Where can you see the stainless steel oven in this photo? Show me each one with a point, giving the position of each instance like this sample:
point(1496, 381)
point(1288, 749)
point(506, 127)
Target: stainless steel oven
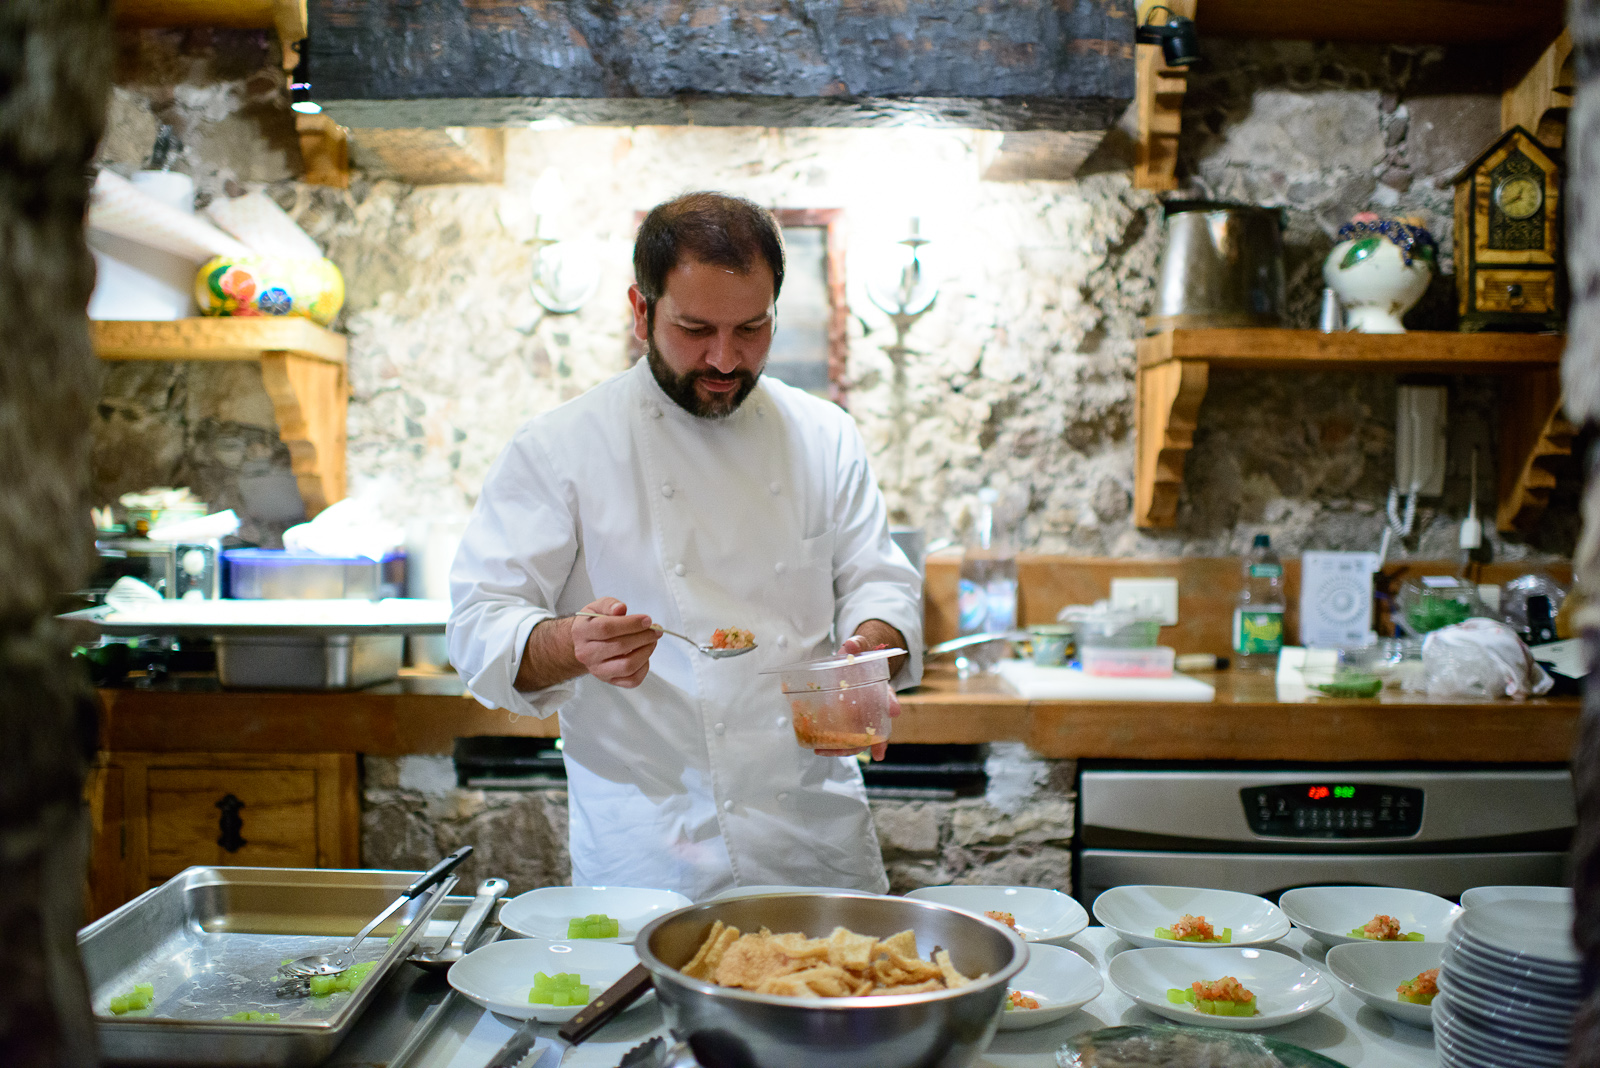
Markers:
point(1266, 828)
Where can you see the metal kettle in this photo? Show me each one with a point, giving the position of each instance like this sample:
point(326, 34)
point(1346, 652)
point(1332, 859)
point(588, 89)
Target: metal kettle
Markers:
point(1222, 266)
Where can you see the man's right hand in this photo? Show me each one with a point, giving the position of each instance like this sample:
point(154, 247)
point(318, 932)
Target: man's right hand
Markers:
point(615, 647)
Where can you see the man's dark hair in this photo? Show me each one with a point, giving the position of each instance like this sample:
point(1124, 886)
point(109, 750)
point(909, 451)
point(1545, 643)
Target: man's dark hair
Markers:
point(710, 227)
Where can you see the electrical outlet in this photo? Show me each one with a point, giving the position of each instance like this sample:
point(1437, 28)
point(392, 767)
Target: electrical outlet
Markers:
point(1155, 598)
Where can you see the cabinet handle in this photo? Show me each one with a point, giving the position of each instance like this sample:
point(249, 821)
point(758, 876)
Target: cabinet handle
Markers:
point(229, 824)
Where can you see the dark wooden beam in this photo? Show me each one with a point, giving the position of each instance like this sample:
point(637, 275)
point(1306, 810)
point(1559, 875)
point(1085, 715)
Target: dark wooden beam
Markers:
point(992, 64)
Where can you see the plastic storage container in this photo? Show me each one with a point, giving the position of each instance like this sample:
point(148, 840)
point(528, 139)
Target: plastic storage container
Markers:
point(275, 574)
point(840, 702)
point(1110, 662)
point(1114, 630)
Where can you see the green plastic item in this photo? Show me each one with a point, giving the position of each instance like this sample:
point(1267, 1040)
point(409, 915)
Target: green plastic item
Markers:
point(1352, 686)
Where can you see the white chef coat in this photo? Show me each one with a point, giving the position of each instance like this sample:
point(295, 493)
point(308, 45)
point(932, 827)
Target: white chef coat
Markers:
point(769, 520)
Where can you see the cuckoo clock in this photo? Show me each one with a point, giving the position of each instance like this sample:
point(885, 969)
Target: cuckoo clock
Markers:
point(1508, 237)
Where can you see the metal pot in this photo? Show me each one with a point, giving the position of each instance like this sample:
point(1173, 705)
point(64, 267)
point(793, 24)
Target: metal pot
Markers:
point(1222, 266)
point(732, 1028)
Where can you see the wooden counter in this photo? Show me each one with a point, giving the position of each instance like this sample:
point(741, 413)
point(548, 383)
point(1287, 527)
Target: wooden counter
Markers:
point(425, 714)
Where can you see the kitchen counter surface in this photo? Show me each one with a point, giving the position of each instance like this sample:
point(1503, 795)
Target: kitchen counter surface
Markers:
point(1346, 1030)
point(1247, 721)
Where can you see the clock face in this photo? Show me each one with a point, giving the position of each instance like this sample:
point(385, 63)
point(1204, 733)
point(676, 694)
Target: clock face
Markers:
point(1519, 197)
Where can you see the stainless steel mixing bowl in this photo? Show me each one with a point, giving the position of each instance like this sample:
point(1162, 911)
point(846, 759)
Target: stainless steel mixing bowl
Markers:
point(732, 1028)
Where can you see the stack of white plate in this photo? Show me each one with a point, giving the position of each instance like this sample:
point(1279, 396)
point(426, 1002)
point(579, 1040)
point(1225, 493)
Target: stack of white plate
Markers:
point(1508, 986)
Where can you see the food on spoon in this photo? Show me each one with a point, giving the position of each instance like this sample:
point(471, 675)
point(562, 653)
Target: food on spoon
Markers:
point(1016, 999)
point(845, 964)
point(594, 925)
point(251, 1016)
point(562, 988)
point(340, 982)
point(1218, 997)
point(1385, 929)
point(732, 638)
point(1195, 929)
point(1002, 917)
point(139, 997)
point(1421, 990)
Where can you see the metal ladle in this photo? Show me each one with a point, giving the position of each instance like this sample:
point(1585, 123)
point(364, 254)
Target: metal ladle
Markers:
point(338, 961)
point(717, 654)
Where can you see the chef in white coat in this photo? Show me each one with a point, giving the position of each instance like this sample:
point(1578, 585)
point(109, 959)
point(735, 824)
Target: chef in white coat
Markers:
point(693, 492)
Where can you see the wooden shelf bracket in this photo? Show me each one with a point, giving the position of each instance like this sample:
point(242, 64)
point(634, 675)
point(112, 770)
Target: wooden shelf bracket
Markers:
point(1533, 432)
point(1167, 412)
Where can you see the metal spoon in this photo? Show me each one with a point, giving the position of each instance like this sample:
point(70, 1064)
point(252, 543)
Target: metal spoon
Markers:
point(333, 963)
point(706, 649)
point(489, 891)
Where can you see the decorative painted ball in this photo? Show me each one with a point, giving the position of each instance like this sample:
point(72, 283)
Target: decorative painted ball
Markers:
point(270, 285)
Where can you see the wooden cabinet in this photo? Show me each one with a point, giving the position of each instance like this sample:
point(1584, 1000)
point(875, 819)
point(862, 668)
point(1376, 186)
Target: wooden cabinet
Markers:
point(154, 814)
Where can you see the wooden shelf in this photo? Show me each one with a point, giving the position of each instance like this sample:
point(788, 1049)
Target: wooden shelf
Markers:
point(302, 367)
point(1175, 368)
point(287, 17)
point(1384, 21)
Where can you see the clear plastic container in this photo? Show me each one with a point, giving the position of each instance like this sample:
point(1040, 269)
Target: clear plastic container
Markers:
point(1110, 662)
point(840, 702)
point(1115, 630)
point(274, 574)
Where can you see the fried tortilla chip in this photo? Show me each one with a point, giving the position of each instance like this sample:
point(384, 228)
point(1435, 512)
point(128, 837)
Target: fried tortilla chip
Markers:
point(704, 963)
point(952, 978)
point(845, 964)
point(752, 960)
point(849, 950)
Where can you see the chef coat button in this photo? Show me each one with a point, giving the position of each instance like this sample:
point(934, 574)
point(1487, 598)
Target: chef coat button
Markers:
point(783, 641)
point(761, 409)
point(783, 721)
point(719, 728)
point(727, 806)
point(783, 795)
point(666, 489)
point(655, 413)
point(779, 567)
point(775, 488)
point(680, 569)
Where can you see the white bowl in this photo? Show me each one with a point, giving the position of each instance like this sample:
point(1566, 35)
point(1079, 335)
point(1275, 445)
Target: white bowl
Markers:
point(1330, 913)
point(1059, 980)
point(1134, 913)
point(1041, 914)
point(1285, 989)
point(1538, 932)
point(1488, 895)
point(1373, 971)
point(499, 975)
point(544, 913)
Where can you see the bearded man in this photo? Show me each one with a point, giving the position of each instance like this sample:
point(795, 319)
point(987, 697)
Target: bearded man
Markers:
point(692, 491)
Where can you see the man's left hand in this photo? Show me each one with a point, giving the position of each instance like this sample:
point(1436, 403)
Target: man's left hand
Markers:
point(853, 646)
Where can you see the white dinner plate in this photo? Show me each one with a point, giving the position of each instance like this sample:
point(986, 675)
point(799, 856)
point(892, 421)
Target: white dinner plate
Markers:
point(1551, 979)
point(499, 975)
point(544, 913)
point(1041, 914)
point(1540, 930)
point(1488, 895)
point(1373, 971)
point(1489, 979)
point(1285, 988)
point(1059, 980)
point(1474, 1043)
point(1134, 913)
point(1536, 1021)
point(1330, 913)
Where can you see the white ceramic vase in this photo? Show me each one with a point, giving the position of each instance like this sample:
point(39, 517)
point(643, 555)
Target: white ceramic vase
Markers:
point(1374, 282)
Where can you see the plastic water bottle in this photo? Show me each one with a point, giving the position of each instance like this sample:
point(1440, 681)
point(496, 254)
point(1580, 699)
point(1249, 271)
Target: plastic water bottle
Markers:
point(987, 599)
point(1258, 613)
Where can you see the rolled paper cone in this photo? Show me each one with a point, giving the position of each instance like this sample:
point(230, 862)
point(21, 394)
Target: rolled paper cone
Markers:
point(254, 219)
point(117, 207)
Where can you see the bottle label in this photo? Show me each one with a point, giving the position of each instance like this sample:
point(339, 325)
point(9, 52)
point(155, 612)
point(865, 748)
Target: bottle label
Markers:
point(1266, 570)
point(1257, 633)
point(972, 602)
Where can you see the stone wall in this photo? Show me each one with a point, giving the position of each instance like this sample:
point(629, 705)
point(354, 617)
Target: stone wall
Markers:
point(1019, 833)
point(1022, 374)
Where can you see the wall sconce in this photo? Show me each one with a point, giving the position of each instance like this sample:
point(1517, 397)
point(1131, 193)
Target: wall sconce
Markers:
point(1180, 45)
point(912, 294)
point(565, 273)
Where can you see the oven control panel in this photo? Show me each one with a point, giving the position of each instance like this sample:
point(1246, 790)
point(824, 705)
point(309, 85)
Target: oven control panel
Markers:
point(1332, 809)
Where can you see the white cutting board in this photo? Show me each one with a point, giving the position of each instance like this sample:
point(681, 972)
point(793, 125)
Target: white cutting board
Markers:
point(1071, 684)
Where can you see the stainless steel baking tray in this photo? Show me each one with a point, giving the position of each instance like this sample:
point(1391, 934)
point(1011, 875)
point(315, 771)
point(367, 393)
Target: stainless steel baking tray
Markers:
point(291, 662)
point(210, 941)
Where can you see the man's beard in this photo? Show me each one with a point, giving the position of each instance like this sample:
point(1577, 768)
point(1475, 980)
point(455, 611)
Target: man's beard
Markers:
point(681, 387)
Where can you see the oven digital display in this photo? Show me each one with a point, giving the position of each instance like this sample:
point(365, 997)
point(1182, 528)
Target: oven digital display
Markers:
point(1332, 810)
